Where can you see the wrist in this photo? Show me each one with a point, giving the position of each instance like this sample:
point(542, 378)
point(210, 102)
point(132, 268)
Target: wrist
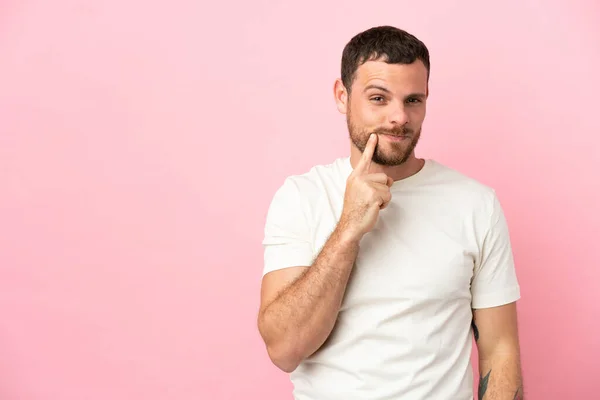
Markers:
point(347, 235)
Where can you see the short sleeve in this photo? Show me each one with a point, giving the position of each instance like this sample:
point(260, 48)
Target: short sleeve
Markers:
point(286, 240)
point(495, 281)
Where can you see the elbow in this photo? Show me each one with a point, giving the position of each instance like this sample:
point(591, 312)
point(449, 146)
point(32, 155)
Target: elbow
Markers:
point(284, 358)
point(284, 351)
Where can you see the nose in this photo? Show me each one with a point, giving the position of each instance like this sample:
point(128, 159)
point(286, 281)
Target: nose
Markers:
point(398, 116)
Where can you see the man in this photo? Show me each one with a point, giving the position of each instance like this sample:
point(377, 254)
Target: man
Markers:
point(379, 265)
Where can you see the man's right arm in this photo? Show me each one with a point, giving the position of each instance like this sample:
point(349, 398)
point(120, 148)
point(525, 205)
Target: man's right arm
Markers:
point(299, 305)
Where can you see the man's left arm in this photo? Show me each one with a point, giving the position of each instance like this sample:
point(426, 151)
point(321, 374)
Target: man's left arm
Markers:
point(495, 289)
point(497, 339)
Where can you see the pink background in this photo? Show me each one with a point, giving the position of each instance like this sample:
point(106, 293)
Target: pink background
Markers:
point(140, 145)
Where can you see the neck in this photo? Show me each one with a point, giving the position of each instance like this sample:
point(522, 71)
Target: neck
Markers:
point(397, 172)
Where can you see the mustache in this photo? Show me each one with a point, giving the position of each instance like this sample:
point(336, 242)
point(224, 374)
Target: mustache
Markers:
point(401, 131)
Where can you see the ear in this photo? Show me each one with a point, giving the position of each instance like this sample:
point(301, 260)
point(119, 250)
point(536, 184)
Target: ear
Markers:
point(341, 96)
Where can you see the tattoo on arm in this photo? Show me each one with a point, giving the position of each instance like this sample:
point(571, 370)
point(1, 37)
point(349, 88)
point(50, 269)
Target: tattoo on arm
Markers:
point(483, 384)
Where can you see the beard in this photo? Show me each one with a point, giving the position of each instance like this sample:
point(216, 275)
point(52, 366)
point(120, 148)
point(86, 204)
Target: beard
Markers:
point(398, 152)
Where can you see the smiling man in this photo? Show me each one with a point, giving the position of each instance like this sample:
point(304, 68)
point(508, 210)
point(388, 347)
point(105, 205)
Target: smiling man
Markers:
point(380, 266)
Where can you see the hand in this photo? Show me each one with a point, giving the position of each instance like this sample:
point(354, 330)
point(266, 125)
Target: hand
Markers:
point(366, 194)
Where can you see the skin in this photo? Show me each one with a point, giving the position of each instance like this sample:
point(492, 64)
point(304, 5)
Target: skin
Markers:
point(299, 305)
point(499, 353)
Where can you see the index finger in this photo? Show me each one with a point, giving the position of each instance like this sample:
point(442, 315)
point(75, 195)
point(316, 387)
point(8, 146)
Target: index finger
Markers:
point(367, 156)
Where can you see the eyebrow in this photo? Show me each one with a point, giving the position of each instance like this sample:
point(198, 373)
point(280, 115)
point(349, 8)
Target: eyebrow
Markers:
point(383, 89)
point(377, 87)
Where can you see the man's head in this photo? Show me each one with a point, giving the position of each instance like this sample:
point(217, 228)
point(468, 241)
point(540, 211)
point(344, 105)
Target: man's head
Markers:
point(383, 89)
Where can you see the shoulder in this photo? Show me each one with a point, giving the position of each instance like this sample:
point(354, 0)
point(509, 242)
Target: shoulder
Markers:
point(464, 189)
point(296, 200)
point(314, 182)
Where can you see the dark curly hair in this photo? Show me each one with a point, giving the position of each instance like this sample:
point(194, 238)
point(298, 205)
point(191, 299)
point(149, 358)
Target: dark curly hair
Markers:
point(392, 45)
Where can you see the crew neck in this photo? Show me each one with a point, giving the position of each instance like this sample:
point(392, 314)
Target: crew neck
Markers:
point(428, 164)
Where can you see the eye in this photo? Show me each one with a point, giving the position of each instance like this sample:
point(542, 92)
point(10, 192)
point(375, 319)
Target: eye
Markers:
point(414, 100)
point(377, 99)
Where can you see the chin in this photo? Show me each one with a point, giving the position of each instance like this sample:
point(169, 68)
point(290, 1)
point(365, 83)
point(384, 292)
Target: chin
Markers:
point(391, 160)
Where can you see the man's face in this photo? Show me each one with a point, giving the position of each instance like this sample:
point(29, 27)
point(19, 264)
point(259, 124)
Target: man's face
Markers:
point(389, 100)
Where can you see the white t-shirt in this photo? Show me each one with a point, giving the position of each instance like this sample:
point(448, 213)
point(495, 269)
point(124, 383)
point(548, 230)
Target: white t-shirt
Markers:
point(440, 248)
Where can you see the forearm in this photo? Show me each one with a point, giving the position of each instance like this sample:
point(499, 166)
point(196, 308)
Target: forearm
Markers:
point(301, 318)
point(500, 377)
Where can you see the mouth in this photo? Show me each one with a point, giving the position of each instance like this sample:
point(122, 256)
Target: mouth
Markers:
point(395, 138)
